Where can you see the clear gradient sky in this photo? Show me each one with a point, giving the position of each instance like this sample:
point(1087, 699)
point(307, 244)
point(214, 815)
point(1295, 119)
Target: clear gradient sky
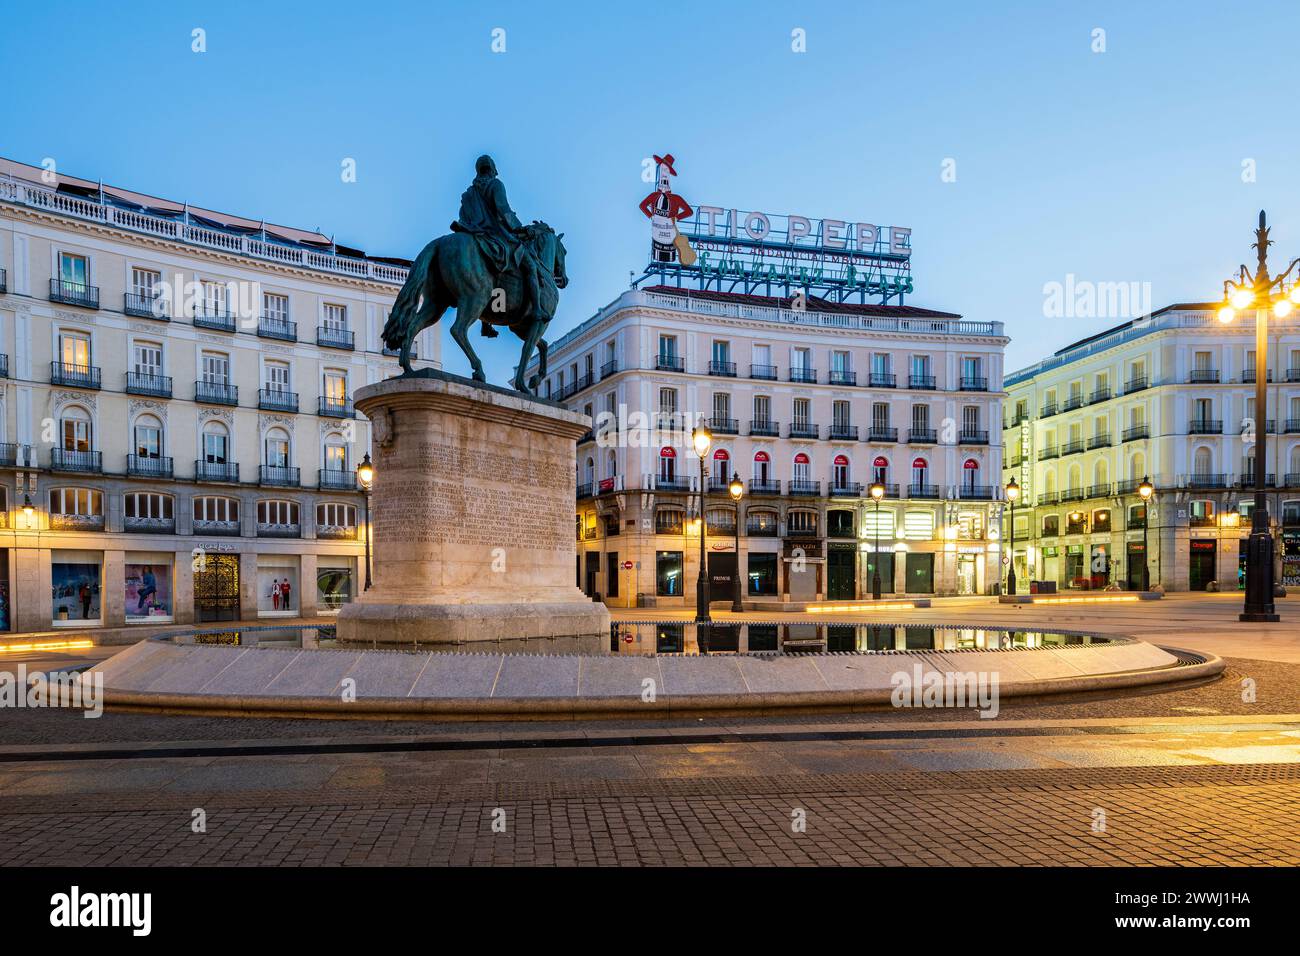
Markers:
point(1122, 166)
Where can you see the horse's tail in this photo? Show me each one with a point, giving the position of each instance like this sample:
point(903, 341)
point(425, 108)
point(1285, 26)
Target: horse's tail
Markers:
point(408, 300)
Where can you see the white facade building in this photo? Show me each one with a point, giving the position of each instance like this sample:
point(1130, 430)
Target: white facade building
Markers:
point(1171, 396)
point(808, 407)
point(177, 437)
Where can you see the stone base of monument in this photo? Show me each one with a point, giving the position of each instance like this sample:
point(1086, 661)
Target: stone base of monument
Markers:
point(472, 509)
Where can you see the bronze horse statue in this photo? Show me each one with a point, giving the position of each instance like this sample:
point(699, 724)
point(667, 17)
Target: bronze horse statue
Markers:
point(450, 272)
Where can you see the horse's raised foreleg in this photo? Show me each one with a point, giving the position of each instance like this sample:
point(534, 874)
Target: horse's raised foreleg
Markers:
point(531, 338)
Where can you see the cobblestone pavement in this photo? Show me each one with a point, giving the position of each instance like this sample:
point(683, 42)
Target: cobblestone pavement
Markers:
point(1194, 793)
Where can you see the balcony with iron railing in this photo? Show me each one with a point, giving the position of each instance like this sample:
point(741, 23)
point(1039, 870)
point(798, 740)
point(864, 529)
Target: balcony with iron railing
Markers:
point(1208, 481)
point(882, 433)
point(1049, 452)
point(975, 492)
point(9, 454)
point(327, 407)
point(74, 293)
point(280, 476)
point(804, 430)
point(1128, 486)
point(724, 426)
point(216, 393)
point(1135, 432)
point(225, 472)
point(761, 529)
point(336, 479)
point(670, 363)
point(723, 369)
point(608, 369)
point(675, 483)
point(1048, 498)
point(1074, 494)
point(4, 365)
point(147, 306)
point(148, 466)
point(1291, 479)
point(1247, 477)
point(335, 338)
point(1100, 490)
point(840, 431)
point(146, 383)
point(1205, 426)
point(1101, 394)
point(75, 522)
point(843, 376)
point(216, 318)
point(277, 400)
point(4, 280)
point(142, 525)
point(764, 373)
point(1293, 426)
point(1100, 441)
point(1248, 377)
point(226, 529)
point(1135, 384)
point(1293, 375)
point(922, 436)
point(1203, 376)
point(86, 462)
point(267, 529)
point(74, 376)
point(807, 376)
point(759, 486)
point(921, 381)
point(1072, 402)
point(847, 489)
point(271, 327)
point(974, 383)
point(336, 532)
point(973, 436)
point(883, 380)
point(765, 428)
point(919, 490)
point(804, 487)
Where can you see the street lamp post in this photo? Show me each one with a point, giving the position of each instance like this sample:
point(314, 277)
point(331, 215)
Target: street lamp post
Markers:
point(366, 476)
point(702, 438)
point(877, 492)
point(736, 489)
point(1013, 492)
point(1265, 293)
point(1145, 491)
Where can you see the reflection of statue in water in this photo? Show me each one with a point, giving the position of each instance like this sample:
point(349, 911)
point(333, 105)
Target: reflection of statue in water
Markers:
point(490, 268)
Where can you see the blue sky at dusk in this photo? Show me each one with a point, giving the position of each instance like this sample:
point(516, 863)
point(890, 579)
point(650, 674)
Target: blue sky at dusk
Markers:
point(1122, 166)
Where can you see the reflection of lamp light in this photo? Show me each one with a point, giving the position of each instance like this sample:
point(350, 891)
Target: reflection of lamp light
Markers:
point(29, 510)
point(366, 472)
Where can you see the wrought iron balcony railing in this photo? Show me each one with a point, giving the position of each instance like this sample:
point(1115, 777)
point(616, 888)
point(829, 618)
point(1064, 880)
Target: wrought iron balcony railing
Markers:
point(74, 376)
point(335, 338)
point(279, 476)
point(1135, 432)
point(922, 436)
point(843, 376)
point(146, 383)
point(275, 400)
point(804, 430)
point(804, 375)
point(766, 373)
point(758, 486)
point(920, 490)
point(921, 381)
point(670, 363)
point(841, 432)
point(88, 462)
point(882, 433)
point(145, 306)
point(765, 428)
point(214, 318)
point(725, 369)
point(336, 479)
point(974, 383)
point(147, 466)
point(222, 471)
point(74, 293)
point(216, 393)
point(1205, 426)
point(282, 329)
point(804, 487)
point(724, 426)
point(335, 408)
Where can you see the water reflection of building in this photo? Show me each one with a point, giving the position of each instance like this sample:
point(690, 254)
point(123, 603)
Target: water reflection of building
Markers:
point(176, 407)
point(1171, 396)
point(808, 407)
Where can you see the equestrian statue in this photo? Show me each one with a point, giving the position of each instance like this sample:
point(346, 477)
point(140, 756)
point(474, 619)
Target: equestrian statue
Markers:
point(490, 269)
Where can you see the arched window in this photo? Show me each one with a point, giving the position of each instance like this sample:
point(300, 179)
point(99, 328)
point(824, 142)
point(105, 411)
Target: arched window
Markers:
point(720, 521)
point(277, 448)
point(801, 522)
point(335, 519)
point(762, 467)
point(721, 476)
point(148, 437)
point(216, 443)
point(216, 514)
point(589, 473)
point(970, 475)
point(841, 472)
point(1075, 482)
point(1293, 471)
point(1202, 462)
point(1137, 467)
point(277, 516)
point(880, 469)
point(611, 465)
point(802, 468)
point(1049, 481)
point(670, 520)
point(667, 463)
point(1101, 472)
point(336, 453)
point(76, 430)
point(761, 524)
point(920, 474)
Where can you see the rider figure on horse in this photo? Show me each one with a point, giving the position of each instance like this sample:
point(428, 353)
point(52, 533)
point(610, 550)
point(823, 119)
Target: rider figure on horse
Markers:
point(485, 214)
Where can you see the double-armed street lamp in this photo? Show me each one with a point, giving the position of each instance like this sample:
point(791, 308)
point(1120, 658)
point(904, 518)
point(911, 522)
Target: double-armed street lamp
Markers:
point(736, 489)
point(877, 492)
point(702, 439)
point(1013, 492)
point(366, 477)
point(1145, 491)
point(1279, 295)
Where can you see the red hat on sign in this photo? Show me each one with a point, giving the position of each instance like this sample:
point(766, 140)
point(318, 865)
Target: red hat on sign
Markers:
point(666, 160)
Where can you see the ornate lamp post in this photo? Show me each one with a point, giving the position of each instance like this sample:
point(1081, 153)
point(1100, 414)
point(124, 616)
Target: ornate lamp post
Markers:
point(1013, 492)
point(877, 492)
point(366, 477)
point(736, 489)
point(1266, 294)
point(702, 439)
point(29, 509)
point(1145, 491)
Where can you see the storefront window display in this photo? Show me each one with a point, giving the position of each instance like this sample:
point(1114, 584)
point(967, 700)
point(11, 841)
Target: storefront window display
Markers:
point(148, 591)
point(75, 588)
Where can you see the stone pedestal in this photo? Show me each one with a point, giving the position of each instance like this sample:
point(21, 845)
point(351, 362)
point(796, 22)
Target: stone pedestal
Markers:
point(472, 509)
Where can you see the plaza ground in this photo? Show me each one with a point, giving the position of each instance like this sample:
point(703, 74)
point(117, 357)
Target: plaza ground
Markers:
point(1191, 775)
